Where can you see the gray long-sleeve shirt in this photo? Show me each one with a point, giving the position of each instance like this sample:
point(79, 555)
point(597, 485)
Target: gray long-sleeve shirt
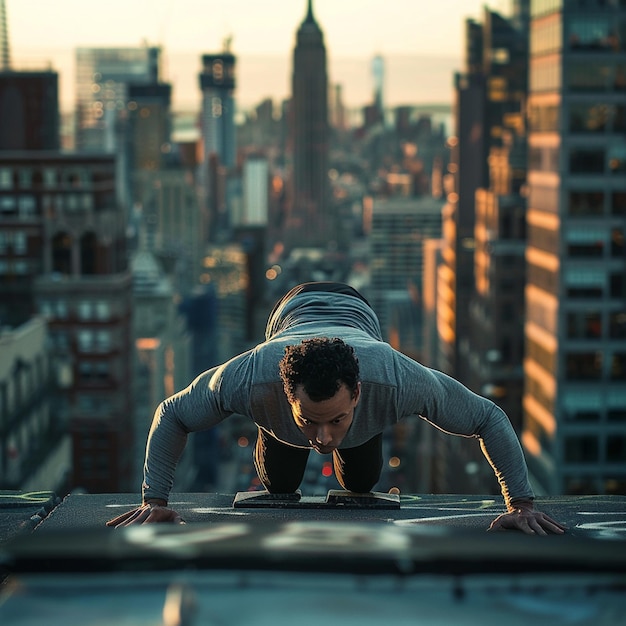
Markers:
point(393, 387)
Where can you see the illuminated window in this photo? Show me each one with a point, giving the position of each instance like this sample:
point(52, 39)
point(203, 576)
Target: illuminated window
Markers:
point(6, 178)
point(218, 71)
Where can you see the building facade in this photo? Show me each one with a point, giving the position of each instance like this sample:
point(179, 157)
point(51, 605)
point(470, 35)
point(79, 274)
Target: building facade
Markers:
point(575, 366)
point(102, 79)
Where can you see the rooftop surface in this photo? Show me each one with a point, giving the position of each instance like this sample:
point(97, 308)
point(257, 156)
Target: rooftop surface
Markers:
point(423, 557)
point(593, 516)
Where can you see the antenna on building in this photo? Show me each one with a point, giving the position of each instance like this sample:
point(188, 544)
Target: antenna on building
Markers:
point(227, 43)
point(5, 57)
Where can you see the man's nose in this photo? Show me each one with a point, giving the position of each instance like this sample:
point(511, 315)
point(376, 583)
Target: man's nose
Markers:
point(323, 435)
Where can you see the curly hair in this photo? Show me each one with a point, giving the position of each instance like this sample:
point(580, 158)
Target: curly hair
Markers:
point(320, 365)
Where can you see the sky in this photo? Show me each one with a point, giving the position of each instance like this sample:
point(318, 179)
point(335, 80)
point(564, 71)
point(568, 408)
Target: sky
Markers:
point(421, 41)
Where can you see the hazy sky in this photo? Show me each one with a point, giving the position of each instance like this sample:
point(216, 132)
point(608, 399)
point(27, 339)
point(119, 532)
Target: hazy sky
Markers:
point(263, 34)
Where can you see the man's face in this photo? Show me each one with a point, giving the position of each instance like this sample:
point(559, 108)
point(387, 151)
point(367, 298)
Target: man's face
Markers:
point(325, 423)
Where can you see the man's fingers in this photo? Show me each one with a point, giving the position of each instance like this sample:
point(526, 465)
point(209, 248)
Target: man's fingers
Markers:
point(530, 523)
point(120, 518)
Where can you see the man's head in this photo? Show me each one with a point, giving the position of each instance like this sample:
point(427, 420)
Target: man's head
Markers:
point(321, 380)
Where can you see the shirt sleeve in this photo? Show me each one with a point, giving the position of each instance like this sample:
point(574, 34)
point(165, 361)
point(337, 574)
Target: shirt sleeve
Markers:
point(212, 397)
point(453, 408)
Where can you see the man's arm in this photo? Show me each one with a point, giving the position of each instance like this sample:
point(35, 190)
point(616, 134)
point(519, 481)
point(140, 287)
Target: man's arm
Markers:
point(453, 408)
point(195, 408)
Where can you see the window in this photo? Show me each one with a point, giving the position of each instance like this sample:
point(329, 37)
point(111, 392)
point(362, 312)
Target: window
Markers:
point(103, 310)
point(103, 341)
point(581, 449)
point(616, 449)
point(25, 177)
point(617, 242)
point(49, 177)
point(589, 75)
point(584, 325)
point(586, 161)
point(618, 203)
point(6, 178)
point(617, 283)
point(582, 406)
point(617, 325)
point(543, 118)
point(20, 242)
point(586, 203)
point(61, 310)
point(85, 310)
point(585, 282)
point(617, 159)
point(216, 107)
point(618, 366)
point(8, 204)
point(590, 118)
point(592, 33)
point(85, 340)
point(583, 366)
point(585, 243)
point(26, 206)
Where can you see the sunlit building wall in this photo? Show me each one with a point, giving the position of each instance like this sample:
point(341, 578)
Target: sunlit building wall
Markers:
point(575, 367)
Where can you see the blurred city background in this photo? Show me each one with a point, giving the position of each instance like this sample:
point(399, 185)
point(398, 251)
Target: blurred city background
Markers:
point(150, 216)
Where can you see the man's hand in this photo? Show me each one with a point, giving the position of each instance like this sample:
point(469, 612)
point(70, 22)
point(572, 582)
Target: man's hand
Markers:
point(529, 521)
point(146, 514)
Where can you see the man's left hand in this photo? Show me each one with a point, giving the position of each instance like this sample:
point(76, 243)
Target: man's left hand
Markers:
point(528, 521)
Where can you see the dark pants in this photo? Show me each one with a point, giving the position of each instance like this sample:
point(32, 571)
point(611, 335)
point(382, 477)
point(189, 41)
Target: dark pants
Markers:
point(280, 467)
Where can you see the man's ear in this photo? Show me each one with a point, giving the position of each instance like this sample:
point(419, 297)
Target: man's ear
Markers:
point(357, 393)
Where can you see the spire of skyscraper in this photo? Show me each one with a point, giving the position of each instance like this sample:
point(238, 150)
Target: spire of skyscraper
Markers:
point(309, 13)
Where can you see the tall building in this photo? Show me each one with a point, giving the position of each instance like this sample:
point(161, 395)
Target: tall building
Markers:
point(35, 447)
point(492, 86)
point(217, 82)
point(63, 256)
point(310, 222)
point(398, 230)
point(481, 281)
point(217, 187)
point(102, 79)
point(29, 102)
point(575, 367)
point(29, 110)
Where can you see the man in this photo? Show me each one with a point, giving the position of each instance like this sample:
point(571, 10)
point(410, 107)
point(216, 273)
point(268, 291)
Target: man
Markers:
point(325, 380)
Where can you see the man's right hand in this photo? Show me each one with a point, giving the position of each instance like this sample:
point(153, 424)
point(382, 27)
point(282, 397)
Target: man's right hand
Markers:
point(147, 513)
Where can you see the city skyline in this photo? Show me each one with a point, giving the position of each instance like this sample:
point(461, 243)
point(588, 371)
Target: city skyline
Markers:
point(421, 44)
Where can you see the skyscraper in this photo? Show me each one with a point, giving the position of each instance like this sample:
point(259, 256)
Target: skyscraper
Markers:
point(575, 367)
point(217, 82)
point(102, 78)
point(309, 223)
